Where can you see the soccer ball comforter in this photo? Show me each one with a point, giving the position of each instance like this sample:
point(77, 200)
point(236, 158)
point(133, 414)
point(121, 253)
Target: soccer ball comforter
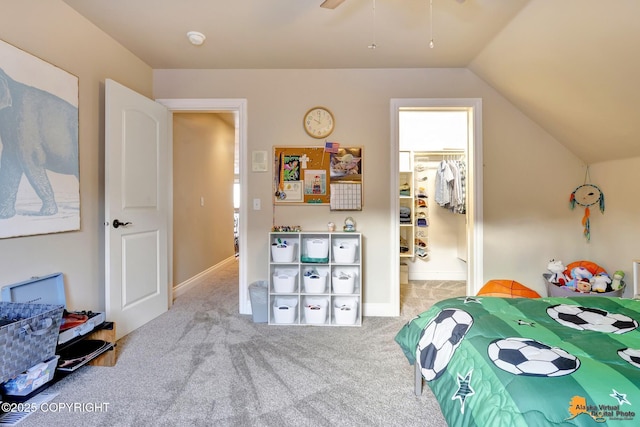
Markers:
point(530, 362)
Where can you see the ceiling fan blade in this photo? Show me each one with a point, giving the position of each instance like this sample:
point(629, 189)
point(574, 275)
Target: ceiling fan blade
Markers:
point(331, 4)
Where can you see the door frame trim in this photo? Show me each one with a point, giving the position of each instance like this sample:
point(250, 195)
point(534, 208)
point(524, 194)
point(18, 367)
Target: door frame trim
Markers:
point(226, 105)
point(474, 187)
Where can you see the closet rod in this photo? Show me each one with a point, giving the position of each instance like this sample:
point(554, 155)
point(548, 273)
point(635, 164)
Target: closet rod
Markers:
point(438, 153)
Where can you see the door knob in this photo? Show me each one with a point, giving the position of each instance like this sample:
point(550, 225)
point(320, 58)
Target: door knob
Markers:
point(118, 223)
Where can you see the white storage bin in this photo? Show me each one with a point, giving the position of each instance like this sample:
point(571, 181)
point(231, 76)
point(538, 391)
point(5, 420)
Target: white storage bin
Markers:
point(345, 252)
point(345, 310)
point(315, 310)
point(343, 283)
point(284, 280)
point(317, 248)
point(282, 253)
point(315, 284)
point(284, 309)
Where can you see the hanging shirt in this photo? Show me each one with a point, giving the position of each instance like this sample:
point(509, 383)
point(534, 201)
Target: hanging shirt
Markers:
point(456, 189)
point(444, 176)
point(462, 167)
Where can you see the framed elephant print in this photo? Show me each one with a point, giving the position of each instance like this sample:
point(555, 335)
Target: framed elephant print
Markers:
point(39, 167)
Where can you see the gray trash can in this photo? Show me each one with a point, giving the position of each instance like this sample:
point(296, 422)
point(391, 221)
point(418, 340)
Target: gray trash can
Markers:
point(258, 294)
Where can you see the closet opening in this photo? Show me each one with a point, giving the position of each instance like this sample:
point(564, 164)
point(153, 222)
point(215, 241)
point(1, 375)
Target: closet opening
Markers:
point(436, 143)
point(437, 194)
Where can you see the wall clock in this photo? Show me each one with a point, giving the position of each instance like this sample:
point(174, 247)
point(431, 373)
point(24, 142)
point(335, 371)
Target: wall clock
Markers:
point(318, 122)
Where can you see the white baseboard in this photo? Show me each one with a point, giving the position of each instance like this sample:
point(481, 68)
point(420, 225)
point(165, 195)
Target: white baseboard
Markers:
point(380, 310)
point(183, 287)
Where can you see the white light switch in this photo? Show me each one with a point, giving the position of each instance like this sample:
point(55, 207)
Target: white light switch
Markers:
point(256, 204)
point(201, 200)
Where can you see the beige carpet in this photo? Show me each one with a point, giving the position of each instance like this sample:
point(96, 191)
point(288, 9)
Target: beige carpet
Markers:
point(203, 364)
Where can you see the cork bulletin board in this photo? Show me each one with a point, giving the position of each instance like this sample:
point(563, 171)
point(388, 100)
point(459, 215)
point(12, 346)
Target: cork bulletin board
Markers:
point(308, 175)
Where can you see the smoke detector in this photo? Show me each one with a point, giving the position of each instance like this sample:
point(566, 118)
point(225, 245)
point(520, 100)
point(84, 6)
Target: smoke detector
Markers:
point(196, 38)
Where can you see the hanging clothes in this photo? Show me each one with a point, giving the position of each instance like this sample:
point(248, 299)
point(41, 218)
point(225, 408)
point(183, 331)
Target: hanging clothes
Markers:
point(451, 185)
point(444, 176)
point(462, 207)
point(456, 192)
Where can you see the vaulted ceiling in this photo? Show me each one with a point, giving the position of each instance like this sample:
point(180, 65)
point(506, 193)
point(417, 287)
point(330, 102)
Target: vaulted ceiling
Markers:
point(570, 65)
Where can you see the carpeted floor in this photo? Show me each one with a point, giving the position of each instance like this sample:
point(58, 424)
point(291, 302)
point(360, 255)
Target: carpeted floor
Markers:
point(203, 364)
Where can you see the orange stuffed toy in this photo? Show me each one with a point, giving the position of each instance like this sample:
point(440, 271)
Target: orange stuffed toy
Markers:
point(593, 268)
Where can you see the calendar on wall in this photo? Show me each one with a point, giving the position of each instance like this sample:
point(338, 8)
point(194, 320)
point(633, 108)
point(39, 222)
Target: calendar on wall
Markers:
point(346, 196)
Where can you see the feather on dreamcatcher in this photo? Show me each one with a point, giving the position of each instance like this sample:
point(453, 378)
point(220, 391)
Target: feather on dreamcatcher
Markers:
point(587, 195)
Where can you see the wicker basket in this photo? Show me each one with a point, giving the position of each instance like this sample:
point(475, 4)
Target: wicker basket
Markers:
point(31, 338)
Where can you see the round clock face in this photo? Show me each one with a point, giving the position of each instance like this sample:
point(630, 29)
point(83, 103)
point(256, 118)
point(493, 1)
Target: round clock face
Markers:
point(318, 122)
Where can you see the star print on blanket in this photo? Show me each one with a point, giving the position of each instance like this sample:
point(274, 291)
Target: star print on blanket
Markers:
point(464, 389)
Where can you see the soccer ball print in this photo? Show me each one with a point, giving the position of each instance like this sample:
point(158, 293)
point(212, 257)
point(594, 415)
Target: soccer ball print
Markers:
point(591, 319)
point(631, 355)
point(440, 339)
point(525, 356)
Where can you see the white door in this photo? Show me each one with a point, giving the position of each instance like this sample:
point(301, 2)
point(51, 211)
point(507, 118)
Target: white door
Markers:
point(137, 178)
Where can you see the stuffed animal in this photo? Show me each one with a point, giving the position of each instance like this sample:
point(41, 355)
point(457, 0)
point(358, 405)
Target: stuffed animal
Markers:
point(557, 269)
point(600, 282)
point(578, 274)
point(617, 282)
point(583, 286)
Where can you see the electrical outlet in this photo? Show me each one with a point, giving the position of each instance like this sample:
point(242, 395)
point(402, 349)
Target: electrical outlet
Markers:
point(256, 204)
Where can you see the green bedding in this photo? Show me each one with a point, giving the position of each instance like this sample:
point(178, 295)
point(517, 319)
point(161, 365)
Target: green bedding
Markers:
point(530, 362)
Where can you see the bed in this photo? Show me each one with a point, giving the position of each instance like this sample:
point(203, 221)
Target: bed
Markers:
point(552, 361)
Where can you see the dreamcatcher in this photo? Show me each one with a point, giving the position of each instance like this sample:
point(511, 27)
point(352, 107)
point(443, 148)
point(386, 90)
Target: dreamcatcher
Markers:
point(587, 195)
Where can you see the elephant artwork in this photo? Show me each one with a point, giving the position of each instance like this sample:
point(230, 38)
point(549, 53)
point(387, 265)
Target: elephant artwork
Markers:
point(38, 135)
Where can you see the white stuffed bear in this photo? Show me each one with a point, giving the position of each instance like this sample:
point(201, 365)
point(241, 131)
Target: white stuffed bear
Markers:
point(558, 277)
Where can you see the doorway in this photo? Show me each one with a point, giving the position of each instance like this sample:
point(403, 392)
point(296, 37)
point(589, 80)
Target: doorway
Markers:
point(473, 152)
point(238, 107)
point(204, 172)
point(435, 141)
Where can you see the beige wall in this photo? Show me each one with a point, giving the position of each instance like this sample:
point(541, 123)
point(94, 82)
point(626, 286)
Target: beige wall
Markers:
point(615, 234)
point(527, 174)
point(203, 159)
point(55, 33)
